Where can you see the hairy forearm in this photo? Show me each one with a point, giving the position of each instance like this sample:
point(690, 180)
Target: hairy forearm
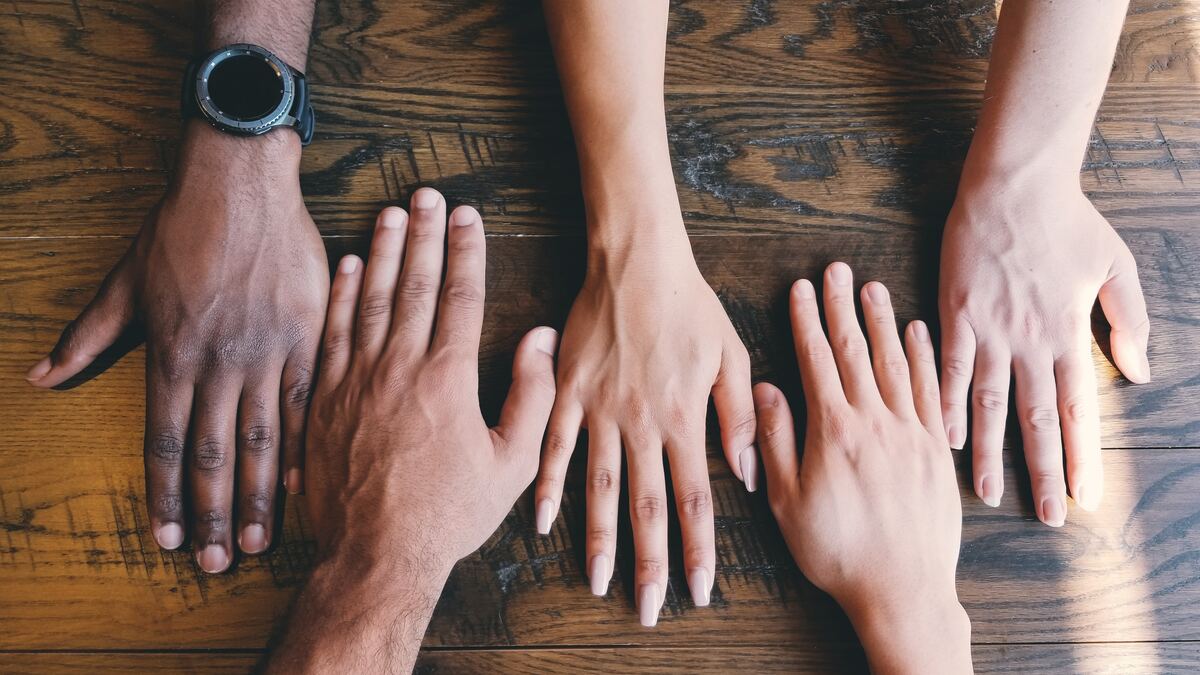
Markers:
point(1050, 63)
point(359, 616)
point(282, 26)
point(610, 56)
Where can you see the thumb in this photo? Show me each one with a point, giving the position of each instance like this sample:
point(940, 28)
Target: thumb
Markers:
point(776, 438)
point(95, 329)
point(1125, 307)
point(527, 408)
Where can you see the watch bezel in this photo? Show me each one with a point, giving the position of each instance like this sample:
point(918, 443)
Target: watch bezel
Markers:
point(276, 117)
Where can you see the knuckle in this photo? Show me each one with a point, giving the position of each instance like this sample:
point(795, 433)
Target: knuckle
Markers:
point(1042, 418)
point(416, 285)
point(836, 429)
point(600, 535)
point(602, 481)
point(299, 392)
point(650, 567)
point(167, 504)
point(695, 503)
point(558, 447)
point(954, 366)
point(991, 400)
point(258, 439)
point(1077, 409)
point(214, 520)
point(851, 345)
point(336, 344)
point(744, 424)
point(166, 447)
point(257, 503)
point(374, 307)
point(210, 454)
point(773, 434)
point(894, 364)
point(648, 508)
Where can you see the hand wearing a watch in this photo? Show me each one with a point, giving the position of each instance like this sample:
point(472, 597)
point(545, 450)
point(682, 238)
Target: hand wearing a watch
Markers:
point(228, 281)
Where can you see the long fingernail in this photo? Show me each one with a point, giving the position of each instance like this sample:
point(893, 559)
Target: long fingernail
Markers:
point(598, 574)
point(1054, 511)
point(1085, 497)
point(213, 559)
point(698, 582)
point(956, 436)
point(839, 273)
point(547, 341)
point(253, 538)
point(990, 490)
point(293, 482)
point(749, 465)
point(169, 535)
point(648, 605)
point(39, 369)
point(545, 516)
point(425, 198)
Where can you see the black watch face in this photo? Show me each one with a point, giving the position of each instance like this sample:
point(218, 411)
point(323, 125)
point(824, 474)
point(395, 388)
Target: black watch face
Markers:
point(245, 87)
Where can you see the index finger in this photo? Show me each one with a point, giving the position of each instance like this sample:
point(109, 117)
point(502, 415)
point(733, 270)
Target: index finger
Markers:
point(818, 372)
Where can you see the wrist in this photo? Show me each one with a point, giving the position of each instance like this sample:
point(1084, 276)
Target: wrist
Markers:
point(274, 153)
point(998, 163)
point(923, 632)
point(640, 241)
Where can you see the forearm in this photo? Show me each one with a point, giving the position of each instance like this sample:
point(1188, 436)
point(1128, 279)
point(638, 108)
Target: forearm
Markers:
point(928, 635)
point(1049, 66)
point(610, 56)
point(282, 26)
point(356, 616)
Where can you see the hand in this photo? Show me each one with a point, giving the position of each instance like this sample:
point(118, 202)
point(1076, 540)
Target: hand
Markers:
point(872, 513)
point(646, 342)
point(1021, 269)
point(404, 478)
point(399, 454)
point(228, 281)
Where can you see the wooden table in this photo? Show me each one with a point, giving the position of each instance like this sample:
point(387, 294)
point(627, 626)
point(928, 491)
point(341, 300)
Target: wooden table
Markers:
point(803, 131)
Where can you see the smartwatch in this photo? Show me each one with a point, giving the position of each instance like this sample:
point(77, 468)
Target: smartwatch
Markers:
point(246, 90)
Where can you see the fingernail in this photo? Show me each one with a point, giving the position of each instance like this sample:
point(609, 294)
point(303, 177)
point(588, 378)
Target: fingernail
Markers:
point(463, 216)
point(425, 198)
point(39, 369)
point(169, 535)
point(348, 265)
point(598, 574)
point(391, 218)
point(1054, 511)
point(920, 331)
point(839, 273)
point(545, 516)
point(213, 559)
point(989, 490)
point(877, 292)
point(1085, 497)
point(294, 481)
point(804, 289)
point(547, 341)
point(698, 583)
point(956, 436)
point(253, 538)
point(648, 605)
point(749, 467)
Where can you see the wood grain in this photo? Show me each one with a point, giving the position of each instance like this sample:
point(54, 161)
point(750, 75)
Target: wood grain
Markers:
point(73, 499)
point(801, 132)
